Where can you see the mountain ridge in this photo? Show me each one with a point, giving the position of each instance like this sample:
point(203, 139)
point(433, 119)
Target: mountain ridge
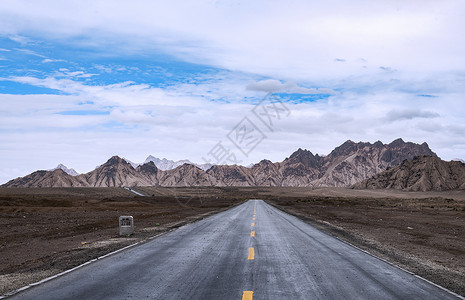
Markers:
point(346, 165)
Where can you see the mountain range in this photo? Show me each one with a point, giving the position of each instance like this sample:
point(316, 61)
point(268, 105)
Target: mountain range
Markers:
point(346, 165)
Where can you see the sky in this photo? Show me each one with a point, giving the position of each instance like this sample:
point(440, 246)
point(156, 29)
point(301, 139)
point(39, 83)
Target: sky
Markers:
point(225, 81)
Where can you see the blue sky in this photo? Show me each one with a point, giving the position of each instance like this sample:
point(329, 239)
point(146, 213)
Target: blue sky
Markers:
point(82, 81)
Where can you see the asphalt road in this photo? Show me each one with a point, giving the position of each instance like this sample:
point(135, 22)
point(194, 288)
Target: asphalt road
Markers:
point(251, 251)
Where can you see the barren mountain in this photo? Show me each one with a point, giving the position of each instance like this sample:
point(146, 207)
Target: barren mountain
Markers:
point(149, 173)
point(187, 175)
point(347, 164)
point(301, 168)
point(42, 178)
point(115, 172)
point(232, 175)
point(352, 162)
point(266, 173)
point(423, 173)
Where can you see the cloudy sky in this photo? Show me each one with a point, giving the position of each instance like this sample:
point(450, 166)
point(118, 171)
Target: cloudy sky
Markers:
point(81, 81)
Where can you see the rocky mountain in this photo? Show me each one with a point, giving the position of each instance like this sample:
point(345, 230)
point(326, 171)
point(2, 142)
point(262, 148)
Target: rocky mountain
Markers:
point(115, 172)
point(71, 171)
point(42, 178)
point(148, 172)
point(187, 175)
point(301, 168)
point(423, 173)
point(352, 162)
point(344, 166)
point(232, 175)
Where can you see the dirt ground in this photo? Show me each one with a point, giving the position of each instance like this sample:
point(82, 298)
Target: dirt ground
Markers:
point(46, 231)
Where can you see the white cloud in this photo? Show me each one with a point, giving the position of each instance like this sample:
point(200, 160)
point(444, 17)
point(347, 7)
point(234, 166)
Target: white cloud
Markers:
point(19, 39)
point(49, 60)
point(268, 85)
point(29, 52)
point(408, 114)
point(298, 41)
point(378, 55)
point(276, 86)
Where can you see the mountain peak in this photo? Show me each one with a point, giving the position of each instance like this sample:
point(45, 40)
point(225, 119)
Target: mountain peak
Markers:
point(148, 167)
point(378, 143)
point(301, 152)
point(153, 159)
point(348, 143)
point(188, 166)
point(397, 142)
point(347, 147)
point(116, 160)
point(303, 157)
point(166, 164)
point(65, 169)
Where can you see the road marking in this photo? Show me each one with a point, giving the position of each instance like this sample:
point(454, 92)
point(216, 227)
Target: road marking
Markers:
point(253, 224)
point(252, 234)
point(251, 254)
point(247, 295)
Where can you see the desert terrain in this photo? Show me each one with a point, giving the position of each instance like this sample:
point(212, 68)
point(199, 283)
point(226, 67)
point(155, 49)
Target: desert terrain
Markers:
point(45, 231)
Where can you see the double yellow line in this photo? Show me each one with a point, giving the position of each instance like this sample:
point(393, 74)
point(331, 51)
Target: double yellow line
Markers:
point(248, 295)
point(252, 234)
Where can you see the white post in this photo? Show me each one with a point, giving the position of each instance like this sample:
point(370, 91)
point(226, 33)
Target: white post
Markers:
point(126, 225)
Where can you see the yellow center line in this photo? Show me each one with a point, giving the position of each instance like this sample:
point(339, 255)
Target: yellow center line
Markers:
point(252, 234)
point(251, 254)
point(247, 295)
point(253, 224)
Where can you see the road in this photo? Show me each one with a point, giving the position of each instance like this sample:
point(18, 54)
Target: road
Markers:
point(252, 251)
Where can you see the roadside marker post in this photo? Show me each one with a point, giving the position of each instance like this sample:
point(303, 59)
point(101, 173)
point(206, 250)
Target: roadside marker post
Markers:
point(126, 225)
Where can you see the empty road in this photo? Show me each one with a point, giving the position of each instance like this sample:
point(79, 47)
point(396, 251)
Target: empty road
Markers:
point(252, 251)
